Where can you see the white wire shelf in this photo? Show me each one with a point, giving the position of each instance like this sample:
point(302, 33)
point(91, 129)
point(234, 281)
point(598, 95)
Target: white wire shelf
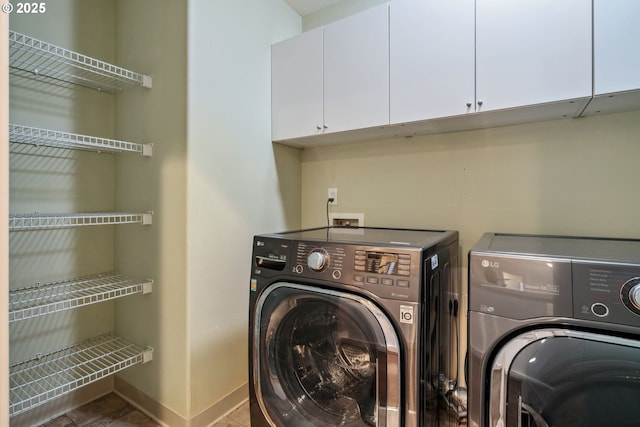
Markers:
point(46, 377)
point(43, 299)
point(38, 221)
point(53, 138)
point(42, 60)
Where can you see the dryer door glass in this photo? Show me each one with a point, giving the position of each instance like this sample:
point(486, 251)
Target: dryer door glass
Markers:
point(578, 380)
point(325, 358)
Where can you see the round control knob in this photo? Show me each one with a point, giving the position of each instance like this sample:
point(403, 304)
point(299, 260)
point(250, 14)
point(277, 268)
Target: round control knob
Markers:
point(634, 296)
point(630, 294)
point(317, 260)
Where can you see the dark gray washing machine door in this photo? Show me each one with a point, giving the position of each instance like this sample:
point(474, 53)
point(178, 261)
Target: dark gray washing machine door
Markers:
point(325, 358)
point(564, 378)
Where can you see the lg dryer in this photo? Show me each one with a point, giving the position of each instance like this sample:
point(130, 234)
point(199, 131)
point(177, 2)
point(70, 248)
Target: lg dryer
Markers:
point(554, 332)
point(350, 326)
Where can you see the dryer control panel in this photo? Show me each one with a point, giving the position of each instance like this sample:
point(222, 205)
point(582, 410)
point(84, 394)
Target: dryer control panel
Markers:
point(533, 276)
point(607, 292)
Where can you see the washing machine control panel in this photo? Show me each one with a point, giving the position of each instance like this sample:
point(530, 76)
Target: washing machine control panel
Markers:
point(389, 272)
point(607, 292)
point(384, 271)
point(318, 260)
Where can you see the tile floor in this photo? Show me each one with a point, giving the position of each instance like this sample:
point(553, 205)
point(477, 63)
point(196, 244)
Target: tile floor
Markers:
point(112, 410)
point(108, 410)
point(239, 417)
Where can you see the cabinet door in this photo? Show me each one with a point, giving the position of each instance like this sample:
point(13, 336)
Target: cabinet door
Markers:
point(356, 71)
point(296, 86)
point(616, 52)
point(432, 65)
point(532, 52)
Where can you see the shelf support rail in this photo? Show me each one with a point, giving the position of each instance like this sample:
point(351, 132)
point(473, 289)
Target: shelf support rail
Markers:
point(37, 221)
point(58, 139)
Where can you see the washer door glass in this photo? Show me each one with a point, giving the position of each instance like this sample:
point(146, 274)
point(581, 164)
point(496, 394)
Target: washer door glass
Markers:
point(576, 380)
point(325, 358)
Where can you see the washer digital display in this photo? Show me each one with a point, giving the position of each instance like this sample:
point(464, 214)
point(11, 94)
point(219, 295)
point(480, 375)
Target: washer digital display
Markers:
point(382, 263)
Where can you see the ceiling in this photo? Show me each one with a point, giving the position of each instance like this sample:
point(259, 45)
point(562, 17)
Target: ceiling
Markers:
point(305, 7)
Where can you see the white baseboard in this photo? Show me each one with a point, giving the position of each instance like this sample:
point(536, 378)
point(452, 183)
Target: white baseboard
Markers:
point(168, 417)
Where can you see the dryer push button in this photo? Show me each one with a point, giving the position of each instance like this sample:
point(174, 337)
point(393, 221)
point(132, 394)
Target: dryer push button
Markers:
point(599, 309)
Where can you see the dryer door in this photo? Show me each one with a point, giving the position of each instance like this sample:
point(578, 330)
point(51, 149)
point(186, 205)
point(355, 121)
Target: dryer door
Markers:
point(324, 358)
point(564, 378)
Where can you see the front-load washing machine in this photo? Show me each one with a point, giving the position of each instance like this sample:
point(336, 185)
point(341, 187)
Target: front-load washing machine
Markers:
point(554, 332)
point(349, 326)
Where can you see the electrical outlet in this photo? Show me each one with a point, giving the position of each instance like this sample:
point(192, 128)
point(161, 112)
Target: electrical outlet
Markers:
point(332, 193)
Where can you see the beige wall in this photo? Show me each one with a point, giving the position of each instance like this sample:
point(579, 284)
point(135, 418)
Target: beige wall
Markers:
point(239, 183)
point(151, 38)
point(574, 176)
point(571, 177)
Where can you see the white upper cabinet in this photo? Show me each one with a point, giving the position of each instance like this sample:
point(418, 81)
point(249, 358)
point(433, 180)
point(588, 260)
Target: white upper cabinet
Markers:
point(296, 86)
point(426, 66)
point(532, 52)
point(616, 61)
point(332, 79)
point(356, 71)
point(616, 51)
point(432, 59)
